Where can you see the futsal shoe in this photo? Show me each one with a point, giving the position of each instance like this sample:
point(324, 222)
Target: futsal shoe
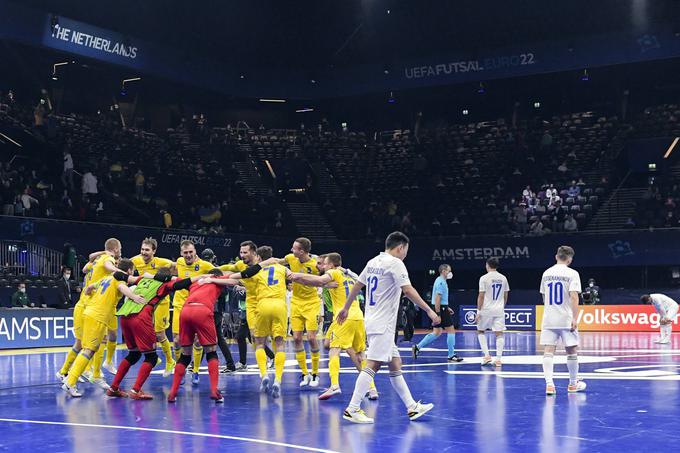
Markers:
point(276, 389)
point(315, 381)
point(418, 410)
point(662, 341)
point(487, 360)
point(61, 377)
point(117, 393)
point(110, 368)
point(241, 368)
point(415, 350)
point(264, 385)
point(100, 382)
point(71, 391)
point(330, 393)
point(87, 375)
point(578, 387)
point(140, 395)
point(550, 390)
point(169, 369)
point(195, 378)
point(172, 397)
point(217, 397)
point(373, 394)
point(498, 363)
point(305, 380)
point(227, 370)
point(455, 359)
point(357, 416)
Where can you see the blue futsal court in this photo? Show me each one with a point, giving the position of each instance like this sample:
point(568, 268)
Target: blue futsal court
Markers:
point(631, 404)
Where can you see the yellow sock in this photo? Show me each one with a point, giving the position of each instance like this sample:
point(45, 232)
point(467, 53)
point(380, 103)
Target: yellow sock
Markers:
point(315, 362)
point(70, 358)
point(198, 355)
point(77, 369)
point(274, 347)
point(279, 362)
point(261, 358)
point(110, 351)
point(334, 370)
point(165, 346)
point(301, 357)
point(97, 361)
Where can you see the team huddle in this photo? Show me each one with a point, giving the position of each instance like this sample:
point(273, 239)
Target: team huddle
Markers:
point(147, 283)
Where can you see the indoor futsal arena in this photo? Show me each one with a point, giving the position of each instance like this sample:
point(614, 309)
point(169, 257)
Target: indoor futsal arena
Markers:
point(351, 226)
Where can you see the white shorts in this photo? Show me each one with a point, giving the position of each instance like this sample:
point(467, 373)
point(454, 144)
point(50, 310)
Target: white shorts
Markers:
point(381, 347)
point(488, 321)
point(550, 337)
point(670, 314)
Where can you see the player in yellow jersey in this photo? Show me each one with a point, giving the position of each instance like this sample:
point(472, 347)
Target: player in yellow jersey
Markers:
point(249, 257)
point(148, 262)
point(188, 265)
point(305, 307)
point(100, 265)
point(351, 335)
point(97, 317)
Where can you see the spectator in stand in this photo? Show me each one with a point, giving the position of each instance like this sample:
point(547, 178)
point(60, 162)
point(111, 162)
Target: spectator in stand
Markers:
point(67, 175)
point(89, 184)
point(65, 297)
point(570, 224)
point(29, 203)
point(527, 193)
point(670, 221)
point(558, 217)
point(546, 141)
point(39, 115)
point(19, 298)
point(536, 228)
point(669, 204)
point(550, 192)
point(520, 218)
point(630, 223)
point(562, 168)
point(139, 184)
point(574, 190)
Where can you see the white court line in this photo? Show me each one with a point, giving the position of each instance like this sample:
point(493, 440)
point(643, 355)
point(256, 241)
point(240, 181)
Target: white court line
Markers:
point(596, 376)
point(169, 431)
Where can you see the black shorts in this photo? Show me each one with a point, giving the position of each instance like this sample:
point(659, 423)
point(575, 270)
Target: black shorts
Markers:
point(447, 318)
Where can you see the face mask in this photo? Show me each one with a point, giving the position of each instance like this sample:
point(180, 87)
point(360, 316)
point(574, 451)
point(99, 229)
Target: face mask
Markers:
point(23, 290)
point(67, 275)
point(592, 284)
point(449, 276)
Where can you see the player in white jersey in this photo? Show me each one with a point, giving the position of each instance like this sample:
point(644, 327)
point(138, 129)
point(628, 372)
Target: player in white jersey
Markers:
point(493, 296)
point(560, 287)
point(385, 277)
point(667, 309)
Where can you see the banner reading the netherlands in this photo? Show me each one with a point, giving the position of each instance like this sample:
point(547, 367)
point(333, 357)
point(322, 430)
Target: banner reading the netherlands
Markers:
point(615, 318)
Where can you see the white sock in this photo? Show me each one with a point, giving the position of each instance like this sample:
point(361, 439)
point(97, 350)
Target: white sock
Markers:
point(500, 344)
point(668, 329)
point(400, 386)
point(572, 364)
point(548, 368)
point(362, 386)
point(482, 342)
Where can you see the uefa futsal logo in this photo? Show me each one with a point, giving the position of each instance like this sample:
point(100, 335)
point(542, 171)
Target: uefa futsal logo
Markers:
point(470, 316)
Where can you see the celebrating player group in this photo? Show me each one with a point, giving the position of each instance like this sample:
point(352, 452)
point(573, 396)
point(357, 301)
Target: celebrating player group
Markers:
point(147, 284)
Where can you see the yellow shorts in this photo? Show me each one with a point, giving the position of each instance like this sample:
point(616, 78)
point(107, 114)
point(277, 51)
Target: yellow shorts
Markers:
point(272, 318)
point(305, 315)
point(351, 334)
point(251, 319)
point(176, 310)
point(93, 333)
point(113, 323)
point(78, 321)
point(161, 317)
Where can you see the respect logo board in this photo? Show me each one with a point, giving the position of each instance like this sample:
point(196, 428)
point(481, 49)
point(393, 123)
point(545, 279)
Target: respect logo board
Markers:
point(517, 317)
point(615, 318)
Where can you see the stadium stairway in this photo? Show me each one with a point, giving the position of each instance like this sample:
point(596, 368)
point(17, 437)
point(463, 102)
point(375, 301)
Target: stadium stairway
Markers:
point(310, 221)
point(616, 210)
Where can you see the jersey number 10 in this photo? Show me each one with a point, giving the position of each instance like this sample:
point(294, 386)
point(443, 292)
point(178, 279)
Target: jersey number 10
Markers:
point(555, 293)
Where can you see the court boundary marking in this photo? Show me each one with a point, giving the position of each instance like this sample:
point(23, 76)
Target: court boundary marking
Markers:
point(170, 431)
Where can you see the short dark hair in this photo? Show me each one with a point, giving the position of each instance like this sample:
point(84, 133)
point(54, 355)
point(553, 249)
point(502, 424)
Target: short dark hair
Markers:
point(125, 265)
point(250, 244)
point(185, 243)
point(164, 271)
point(334, 258)
point(215, 271)
point(645, 298)
point(151, 242)
point(492, 262)
point(265, 252)
point(565, 252)
point(305, 244)
point(395, 239)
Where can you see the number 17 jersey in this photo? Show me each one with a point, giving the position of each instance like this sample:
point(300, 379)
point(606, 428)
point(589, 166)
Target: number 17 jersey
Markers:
point(383, 276)
point(556, 284)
